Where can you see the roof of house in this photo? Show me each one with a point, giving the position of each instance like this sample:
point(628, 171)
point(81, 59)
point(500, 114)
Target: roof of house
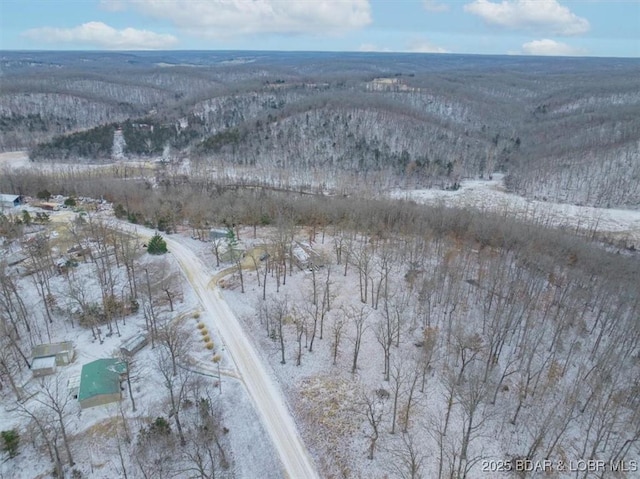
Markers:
point(101, 376)
point(51, 349)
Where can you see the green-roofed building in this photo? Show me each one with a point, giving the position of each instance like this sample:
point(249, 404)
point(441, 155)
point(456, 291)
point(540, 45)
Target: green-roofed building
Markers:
point(100, 382)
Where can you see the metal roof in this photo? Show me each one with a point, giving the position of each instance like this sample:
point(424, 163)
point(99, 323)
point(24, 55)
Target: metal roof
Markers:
point(101, 376)
point(52, 349)
point(134, 342)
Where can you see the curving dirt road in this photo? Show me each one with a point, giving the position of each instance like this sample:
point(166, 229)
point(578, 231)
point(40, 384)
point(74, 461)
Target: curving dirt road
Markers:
point(265, 395)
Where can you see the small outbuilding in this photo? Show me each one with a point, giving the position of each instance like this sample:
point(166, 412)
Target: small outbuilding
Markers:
point(100, 382)
point(48, 206)
point(43, 366)
point(11, 201)
point(62, 352)
point(134, 344)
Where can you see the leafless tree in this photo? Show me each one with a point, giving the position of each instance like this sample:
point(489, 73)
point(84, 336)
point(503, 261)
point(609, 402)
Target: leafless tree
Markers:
point(176, 386)
point(408, 458)
point(357, 316)
point(399, 377)
point(42, 426)
point(372, 405)
point(337, 327)
point(9, 366)
point(278, 312)
point(176, 340)
point(414, 373)
point(216, 246)
point(56, 397)
point(11, 303)
point(362, 260)
point(301, 328)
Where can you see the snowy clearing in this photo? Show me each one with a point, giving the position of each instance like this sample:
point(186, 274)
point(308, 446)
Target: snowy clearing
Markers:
point(491, 195)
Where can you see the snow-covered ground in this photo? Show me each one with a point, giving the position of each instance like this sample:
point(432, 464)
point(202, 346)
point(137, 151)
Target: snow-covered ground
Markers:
point(91, 432)
point(326, 397)
point(265, 395)
point(491, 195)
point(14, 159)
point(321, 395)
point(20, 159)
point(619, 225)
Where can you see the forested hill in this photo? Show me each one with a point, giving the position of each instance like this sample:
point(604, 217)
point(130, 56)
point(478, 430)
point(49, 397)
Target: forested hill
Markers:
point(562, 128)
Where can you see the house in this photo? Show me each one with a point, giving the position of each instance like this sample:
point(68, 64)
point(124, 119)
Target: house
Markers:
point(62, 352)
point(132, 345)
point(301, 257)
point(100, 382)
point(10, 201)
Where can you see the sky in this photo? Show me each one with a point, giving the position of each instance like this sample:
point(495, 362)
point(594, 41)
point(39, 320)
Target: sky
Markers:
point(603, 28)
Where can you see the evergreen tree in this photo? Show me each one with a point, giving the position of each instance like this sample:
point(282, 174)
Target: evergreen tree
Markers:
point(11, 440)
point(157, 245)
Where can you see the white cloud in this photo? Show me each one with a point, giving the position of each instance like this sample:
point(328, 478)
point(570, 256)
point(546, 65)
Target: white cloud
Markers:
point(549, 47)
point(539, 15)
point(226, 18)
point(103, 36)
point(434, 6)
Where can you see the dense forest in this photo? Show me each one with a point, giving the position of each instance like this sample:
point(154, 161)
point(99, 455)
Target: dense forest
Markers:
point(560, 129)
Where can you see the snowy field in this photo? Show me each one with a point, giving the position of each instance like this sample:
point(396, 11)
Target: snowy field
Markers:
point(491, 195)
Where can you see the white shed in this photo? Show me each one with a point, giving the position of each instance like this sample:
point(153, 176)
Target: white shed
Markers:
point(43, 366)
point(62, 352)
point(10, 201)
point(134, 344)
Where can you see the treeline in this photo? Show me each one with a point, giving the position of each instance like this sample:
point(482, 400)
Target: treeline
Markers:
point(143, 137)
point(203, 205)
point(61, 112)
point(93, 144)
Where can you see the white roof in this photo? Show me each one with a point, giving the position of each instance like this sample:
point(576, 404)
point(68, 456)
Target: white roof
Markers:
point(46, 362)
point(300, 254)
point(74, 382)
point(8, 198)
point(134, 342)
